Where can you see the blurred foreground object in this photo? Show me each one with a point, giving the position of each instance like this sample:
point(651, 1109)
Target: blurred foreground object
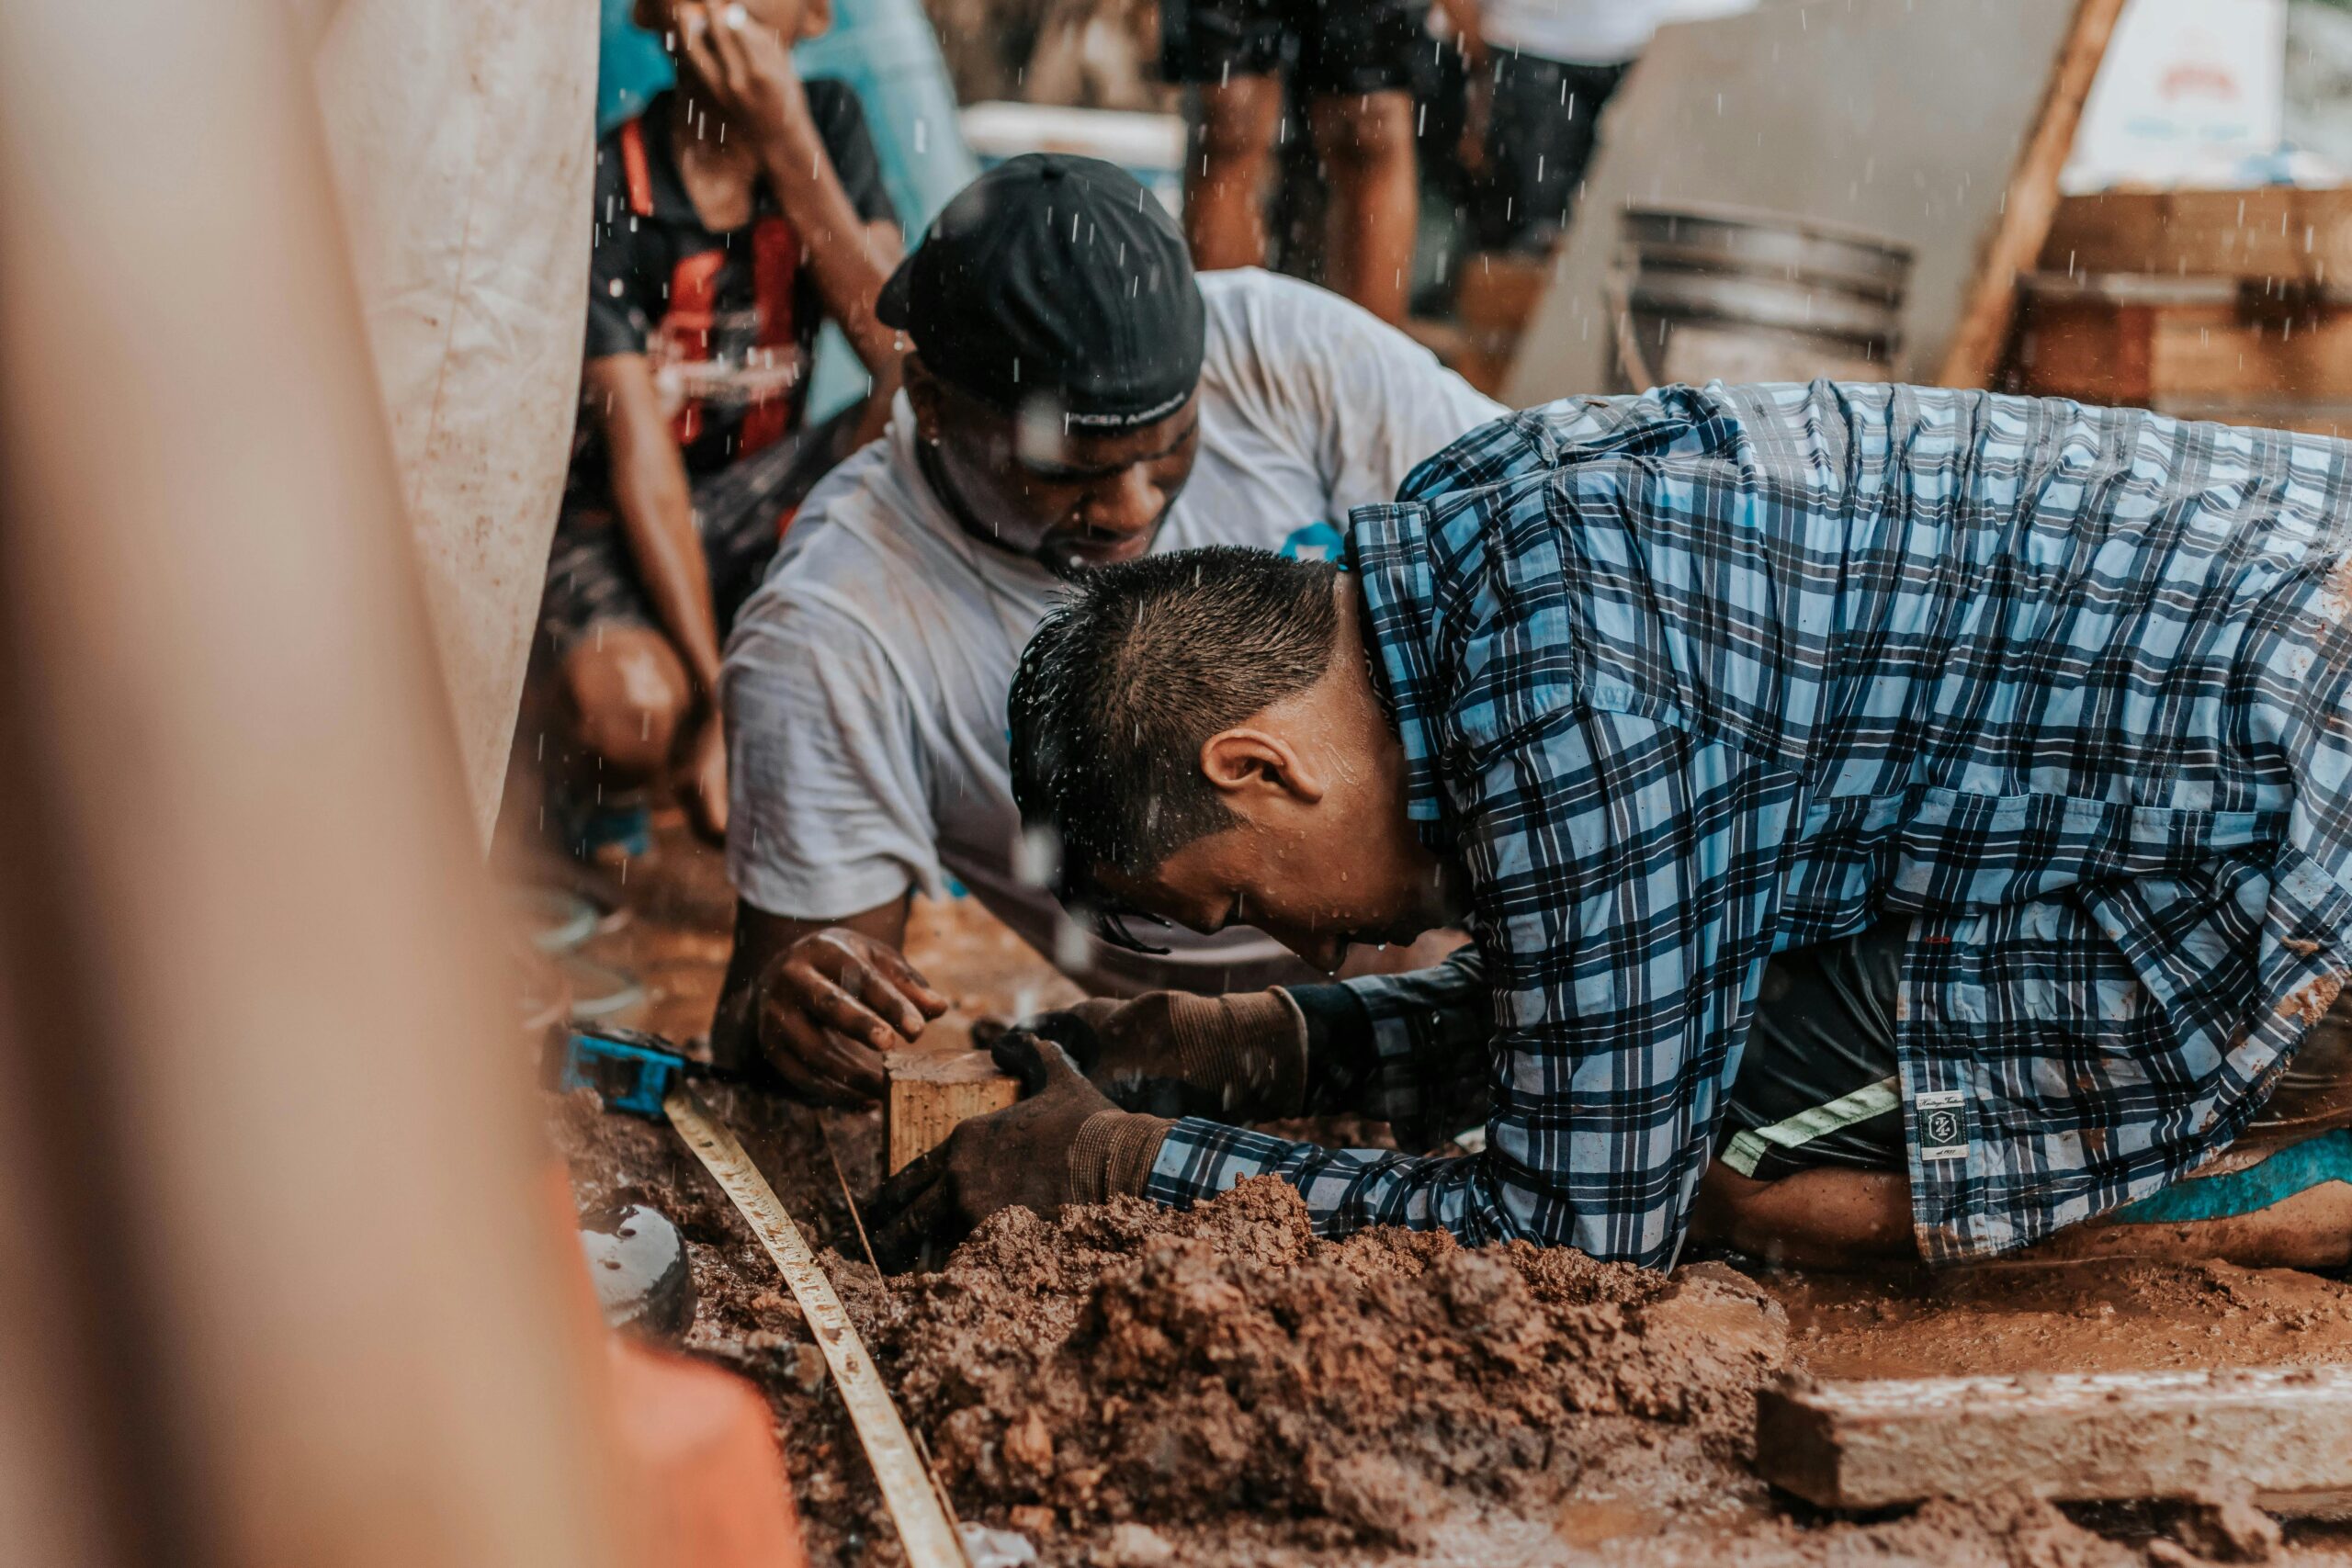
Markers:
point(703, 1443)
point(276, 1289)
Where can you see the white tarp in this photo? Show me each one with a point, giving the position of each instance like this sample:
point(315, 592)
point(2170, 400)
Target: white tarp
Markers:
point(463, 135)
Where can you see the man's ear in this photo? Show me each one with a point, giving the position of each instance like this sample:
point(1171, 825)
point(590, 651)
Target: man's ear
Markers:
point(1244, 763)
point(923, 396)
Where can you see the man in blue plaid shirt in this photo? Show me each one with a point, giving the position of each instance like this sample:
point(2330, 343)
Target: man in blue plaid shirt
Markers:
point(1894, 814)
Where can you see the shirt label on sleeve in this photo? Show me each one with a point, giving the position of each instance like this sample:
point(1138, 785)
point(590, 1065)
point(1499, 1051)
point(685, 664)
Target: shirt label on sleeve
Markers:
point(1944, 1125)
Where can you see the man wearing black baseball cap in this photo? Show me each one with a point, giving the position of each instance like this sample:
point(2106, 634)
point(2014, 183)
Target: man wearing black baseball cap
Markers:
point(1074, 396)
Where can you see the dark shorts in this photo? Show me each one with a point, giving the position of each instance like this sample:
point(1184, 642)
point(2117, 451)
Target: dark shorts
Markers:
point(1818, 1084)
point(740, 512)
point(1327, 47)
point(1541, 135)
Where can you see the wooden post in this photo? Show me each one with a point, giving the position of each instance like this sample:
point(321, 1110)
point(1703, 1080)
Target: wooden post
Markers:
point(931, 1092)
point(1974, 349)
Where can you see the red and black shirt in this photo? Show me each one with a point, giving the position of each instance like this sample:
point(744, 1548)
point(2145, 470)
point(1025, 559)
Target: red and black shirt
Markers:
point(728, 317)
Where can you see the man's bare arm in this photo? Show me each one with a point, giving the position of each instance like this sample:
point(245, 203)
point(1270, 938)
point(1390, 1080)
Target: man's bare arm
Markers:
point(821, 1001)
point(656, 507)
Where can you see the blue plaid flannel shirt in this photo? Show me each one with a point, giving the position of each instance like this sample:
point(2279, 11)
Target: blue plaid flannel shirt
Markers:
point(1687, 679)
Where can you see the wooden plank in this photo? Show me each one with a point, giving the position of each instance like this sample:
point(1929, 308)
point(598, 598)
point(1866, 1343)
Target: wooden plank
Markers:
point(2165, 342)
point(2274, 361)
point(931, 1092)
point(2272, 232)
point(1974, 352)
point(2284, 1434)
point(2089, 349)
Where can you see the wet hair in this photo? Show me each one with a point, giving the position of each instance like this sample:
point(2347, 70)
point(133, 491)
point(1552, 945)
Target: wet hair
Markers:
point(1126, 678)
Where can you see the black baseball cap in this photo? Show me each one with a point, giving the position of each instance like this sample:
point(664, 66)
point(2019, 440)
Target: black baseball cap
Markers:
point(1057, 277)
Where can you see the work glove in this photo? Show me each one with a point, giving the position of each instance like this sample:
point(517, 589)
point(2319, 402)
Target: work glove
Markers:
point(1061, 1142)
point(1234, 1058)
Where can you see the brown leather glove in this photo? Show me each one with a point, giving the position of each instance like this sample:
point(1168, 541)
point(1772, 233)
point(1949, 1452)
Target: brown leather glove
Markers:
point(1063, 1143)
point(1233, 1058)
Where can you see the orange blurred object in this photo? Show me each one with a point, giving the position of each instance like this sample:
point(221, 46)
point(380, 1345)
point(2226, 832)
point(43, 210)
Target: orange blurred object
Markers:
point(714, 1491)
point(706, 1484)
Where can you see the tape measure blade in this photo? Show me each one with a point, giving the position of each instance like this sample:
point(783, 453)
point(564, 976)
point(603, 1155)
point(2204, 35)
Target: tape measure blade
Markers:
point(915, 1508)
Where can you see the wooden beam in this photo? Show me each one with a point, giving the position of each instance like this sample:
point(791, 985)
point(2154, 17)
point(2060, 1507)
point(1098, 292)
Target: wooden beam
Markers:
point(1974, 352)
point(2200, 347)
point(2283, 1434)
point(2276, 231)
point(932, 1092)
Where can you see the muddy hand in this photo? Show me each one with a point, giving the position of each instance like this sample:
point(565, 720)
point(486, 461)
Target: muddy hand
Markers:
point(1027, 1155)
point(829, 1005)
point(744, 65)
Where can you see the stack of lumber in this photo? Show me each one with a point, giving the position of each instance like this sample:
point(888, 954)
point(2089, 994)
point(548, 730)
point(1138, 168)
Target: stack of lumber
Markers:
point(2229, 305)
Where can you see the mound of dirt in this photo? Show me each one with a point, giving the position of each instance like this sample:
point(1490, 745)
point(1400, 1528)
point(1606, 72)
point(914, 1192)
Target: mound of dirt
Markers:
point(1129, 1364)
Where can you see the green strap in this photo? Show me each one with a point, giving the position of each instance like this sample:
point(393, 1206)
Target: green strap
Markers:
point(1747, 1147)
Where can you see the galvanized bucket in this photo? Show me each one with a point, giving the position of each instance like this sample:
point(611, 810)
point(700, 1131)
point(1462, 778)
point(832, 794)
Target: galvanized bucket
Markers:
point(1700, 294)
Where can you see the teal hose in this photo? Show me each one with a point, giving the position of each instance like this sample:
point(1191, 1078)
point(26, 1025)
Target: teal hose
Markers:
point(2295, 1168)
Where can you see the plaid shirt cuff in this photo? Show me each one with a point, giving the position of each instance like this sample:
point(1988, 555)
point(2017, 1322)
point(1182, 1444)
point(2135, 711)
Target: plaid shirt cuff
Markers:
point(1345, 1189)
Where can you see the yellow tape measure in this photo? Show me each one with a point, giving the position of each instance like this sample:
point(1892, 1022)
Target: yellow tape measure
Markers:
point(923, 1524)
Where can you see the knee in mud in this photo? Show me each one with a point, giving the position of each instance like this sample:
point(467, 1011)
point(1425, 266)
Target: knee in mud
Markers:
point(627, 695)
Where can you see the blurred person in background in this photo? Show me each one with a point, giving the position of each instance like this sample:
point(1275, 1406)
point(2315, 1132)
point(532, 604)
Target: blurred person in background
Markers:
point(740, 210)
point(1351, 60)
point(1539, 73)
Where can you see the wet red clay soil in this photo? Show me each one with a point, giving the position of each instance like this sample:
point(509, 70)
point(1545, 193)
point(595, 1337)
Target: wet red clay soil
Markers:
point(2114, 1315)
point(1128, 1386)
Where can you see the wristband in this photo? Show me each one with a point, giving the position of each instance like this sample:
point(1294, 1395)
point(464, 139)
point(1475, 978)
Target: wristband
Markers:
point(1253, 1043)
point(1113, 1154)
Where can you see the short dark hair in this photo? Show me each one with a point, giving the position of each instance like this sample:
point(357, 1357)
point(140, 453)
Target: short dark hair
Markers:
point(1125, 679)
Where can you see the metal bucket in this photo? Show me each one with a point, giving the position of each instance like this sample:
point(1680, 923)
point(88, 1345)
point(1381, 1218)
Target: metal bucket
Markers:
point(1700, 294)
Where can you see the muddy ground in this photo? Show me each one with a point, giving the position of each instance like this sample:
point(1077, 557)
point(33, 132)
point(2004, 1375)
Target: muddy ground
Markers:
point(1124, 1385)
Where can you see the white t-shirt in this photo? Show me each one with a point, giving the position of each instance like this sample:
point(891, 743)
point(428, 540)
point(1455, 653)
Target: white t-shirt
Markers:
point(1588, 32)
point(865, 681)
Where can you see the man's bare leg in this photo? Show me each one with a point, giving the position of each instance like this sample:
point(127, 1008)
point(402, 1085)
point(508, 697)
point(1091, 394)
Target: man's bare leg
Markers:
point(1225, 179)
point(1366, 144)
point(1830, 1218)
point(1838, 1218)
